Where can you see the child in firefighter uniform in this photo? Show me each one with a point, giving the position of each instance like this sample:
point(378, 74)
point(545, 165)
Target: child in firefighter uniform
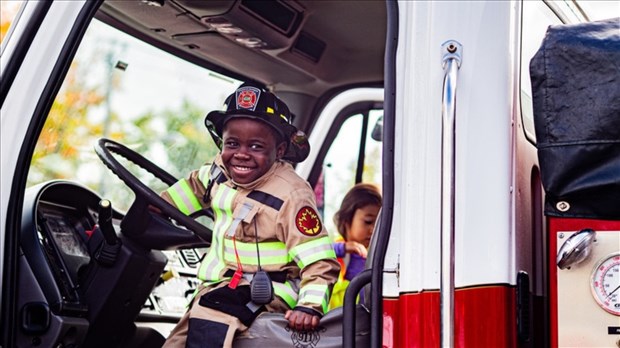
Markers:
point(266, 226)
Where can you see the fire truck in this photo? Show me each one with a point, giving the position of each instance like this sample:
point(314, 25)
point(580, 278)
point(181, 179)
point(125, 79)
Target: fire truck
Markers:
point(492, 128)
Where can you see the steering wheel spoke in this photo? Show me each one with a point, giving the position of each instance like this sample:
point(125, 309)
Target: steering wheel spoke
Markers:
point(153, 228)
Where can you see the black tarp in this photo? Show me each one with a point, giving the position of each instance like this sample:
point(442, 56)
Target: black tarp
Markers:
point(576, 94)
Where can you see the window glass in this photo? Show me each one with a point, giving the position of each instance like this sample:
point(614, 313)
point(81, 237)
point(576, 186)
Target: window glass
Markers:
point(8, 14)
point(125, 90)
point(341, 161)
point(536, 18)
point(600, 9)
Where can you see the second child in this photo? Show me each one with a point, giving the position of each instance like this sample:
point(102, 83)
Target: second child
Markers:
point(355, 221)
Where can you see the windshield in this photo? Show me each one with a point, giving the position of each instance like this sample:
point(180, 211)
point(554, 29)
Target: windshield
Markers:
point(125, 90)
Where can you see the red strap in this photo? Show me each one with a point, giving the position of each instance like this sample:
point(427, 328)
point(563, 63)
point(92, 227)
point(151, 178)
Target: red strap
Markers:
point(234, 281)
point(89, 233)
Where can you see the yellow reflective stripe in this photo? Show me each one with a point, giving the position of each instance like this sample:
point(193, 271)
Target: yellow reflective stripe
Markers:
point(222, 207)
point(211, 268)
point(229, 256)
point(315, 294)
point(191, 197)
point(183, 197)
point(271, 253)
point(203, 175)
point(312, 251)
point(286, 292)
point(263, 246)
point(213, 264)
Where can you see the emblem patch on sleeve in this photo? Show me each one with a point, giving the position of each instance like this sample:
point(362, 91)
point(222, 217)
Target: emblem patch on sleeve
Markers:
point(308, 222)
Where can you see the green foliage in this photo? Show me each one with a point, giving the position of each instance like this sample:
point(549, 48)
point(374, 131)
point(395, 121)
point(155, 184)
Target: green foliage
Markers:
point(174, 139)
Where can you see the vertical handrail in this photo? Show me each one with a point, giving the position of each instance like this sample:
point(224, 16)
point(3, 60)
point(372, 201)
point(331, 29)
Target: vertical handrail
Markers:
point(384, 228)
point(349, 307)
point(451, 62)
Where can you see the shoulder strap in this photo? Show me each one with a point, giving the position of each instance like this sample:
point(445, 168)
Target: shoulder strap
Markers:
point(215, 175)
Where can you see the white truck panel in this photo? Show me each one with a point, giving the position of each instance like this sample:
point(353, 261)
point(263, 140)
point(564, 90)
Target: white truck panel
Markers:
point(484, 100)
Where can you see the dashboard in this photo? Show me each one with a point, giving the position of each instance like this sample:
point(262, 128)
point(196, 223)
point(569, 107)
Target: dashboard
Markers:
point(176, 287)
point(54, 241)
point(80, 286)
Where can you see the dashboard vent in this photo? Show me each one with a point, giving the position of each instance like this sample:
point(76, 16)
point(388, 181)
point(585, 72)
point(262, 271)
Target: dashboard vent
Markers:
point(191, 257)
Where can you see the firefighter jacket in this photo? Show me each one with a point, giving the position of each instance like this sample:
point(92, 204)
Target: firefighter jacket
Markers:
point(276, 214)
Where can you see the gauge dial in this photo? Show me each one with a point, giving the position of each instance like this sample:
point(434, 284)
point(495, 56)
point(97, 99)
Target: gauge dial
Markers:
point(605, 283)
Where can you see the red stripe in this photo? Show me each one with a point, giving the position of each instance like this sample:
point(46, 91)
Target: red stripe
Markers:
point(484, 317)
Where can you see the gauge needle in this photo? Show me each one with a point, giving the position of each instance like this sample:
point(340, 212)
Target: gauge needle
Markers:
point(611, 293)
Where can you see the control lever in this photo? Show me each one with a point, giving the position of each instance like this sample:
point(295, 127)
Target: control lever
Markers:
point(105, 222)
point(109, 248)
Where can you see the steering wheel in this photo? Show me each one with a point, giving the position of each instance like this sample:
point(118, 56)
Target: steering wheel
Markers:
point(141, 223)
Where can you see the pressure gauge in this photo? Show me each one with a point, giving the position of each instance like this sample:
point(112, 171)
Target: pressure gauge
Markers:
point(605, 283)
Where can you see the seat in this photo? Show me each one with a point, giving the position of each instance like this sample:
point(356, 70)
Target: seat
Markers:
point(271, 330)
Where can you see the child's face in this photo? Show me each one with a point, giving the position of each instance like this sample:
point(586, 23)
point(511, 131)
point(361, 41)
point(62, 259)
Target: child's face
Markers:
point(362, 224)
point(249, 149)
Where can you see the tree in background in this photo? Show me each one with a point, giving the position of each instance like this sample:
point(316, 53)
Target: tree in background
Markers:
point(183, 137)
point(175, 139)
point(83, 111)
point(8, 11)
point(67, 130)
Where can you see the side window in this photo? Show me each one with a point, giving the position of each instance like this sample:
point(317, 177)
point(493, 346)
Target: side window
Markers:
point(536, 18)
point(355, 155)
point(8, 13)
point(123, 89)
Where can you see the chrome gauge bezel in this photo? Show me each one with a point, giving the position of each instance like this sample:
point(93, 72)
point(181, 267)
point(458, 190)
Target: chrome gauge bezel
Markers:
point(598, 275)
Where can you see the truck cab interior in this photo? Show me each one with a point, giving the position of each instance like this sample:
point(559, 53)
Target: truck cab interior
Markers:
point(480, 238)
point(124, 119)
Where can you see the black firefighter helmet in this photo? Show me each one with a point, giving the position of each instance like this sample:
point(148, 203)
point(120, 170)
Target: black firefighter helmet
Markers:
point(250, 101)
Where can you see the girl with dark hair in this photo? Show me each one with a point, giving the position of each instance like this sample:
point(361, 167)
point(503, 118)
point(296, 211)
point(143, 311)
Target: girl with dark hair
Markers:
point(355, 221)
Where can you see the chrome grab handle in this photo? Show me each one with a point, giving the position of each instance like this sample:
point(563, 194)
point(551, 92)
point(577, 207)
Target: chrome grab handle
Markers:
point(451, 61)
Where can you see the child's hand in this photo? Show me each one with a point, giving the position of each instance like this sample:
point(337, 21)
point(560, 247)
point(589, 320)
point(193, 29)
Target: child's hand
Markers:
point(301, 321)
point(356, 248)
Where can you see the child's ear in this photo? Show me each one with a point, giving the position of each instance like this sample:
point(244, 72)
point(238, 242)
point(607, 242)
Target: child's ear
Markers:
point(280, 150)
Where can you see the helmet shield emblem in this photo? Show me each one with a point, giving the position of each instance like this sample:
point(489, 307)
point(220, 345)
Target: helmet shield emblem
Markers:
point(247, 97)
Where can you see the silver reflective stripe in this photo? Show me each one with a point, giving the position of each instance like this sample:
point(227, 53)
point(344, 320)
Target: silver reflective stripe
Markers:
point(252, 253)
point(312, 296)
point(315, 295)
point(271, 253)
point(213, 264)
point(183, 197)
point(241, 214)
point(287, 292)
point(312, 251)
